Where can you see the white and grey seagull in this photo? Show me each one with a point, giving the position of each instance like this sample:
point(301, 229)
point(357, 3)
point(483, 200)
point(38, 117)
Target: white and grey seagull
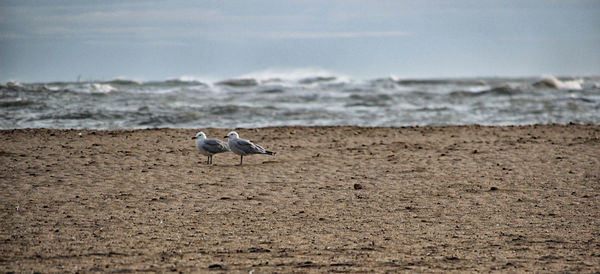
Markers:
point(209, 147)
point(244, 147)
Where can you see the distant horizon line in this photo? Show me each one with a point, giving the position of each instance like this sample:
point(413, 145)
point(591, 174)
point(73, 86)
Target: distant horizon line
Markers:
point(210, 79)
point(559, 77)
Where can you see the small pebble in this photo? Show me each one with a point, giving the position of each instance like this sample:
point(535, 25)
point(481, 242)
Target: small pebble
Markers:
point(358, 186)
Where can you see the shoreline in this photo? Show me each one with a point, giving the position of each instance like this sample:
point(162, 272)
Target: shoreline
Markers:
point(333, 198)
point(312, 126)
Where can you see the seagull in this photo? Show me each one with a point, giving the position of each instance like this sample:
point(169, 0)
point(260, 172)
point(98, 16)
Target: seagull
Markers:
point(209, 147)
point(244, 147)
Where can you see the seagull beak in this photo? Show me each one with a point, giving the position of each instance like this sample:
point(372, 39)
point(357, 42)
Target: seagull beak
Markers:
point(194, 137)
point(225, 137)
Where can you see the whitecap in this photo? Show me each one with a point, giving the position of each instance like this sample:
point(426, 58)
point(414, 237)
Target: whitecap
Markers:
point(550, 81)
point(190, 80)
point(92, 88)
point(123, 81)
point(296, 75)
point(14, 85)
point(102, 88)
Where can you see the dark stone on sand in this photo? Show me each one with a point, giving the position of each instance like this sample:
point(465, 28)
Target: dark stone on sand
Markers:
point(358, 186)
point(258, 250)
point(215, 266)
point(493, 188)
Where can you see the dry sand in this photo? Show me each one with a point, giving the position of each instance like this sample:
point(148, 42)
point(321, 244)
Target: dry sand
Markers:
point(333, 199)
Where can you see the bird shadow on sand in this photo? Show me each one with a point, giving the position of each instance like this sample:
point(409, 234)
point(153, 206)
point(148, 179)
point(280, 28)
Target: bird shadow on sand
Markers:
point(270, 162)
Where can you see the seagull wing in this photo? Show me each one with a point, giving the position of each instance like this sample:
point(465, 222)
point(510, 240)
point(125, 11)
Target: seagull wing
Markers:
point(248, 147)
point(215, 146)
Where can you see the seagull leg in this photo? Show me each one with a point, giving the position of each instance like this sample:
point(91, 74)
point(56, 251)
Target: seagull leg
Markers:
point(241, 159)
point(208, 160)
point(210, 157)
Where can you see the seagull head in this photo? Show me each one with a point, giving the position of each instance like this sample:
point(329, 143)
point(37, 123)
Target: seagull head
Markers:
point(199, 135)
point(232, 135)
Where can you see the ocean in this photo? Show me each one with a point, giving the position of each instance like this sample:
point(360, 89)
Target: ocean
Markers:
point(321, 99)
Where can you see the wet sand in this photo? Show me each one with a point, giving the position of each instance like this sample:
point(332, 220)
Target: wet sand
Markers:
point(333, 199)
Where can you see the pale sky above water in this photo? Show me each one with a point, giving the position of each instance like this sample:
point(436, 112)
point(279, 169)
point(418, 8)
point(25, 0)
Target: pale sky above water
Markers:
point(157, 40)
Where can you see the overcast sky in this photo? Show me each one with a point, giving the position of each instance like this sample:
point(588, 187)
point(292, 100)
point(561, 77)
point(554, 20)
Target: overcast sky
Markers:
point(157, 40)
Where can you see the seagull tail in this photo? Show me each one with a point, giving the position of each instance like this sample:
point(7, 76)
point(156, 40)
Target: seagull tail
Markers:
point(269, 152)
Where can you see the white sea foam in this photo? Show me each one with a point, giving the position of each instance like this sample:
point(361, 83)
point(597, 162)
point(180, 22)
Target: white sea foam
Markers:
point(188, 78)
point(193, 79)
point(294, 75)
point(14, 85)
point(102, 88)
point(91, 88)
point(553, 82)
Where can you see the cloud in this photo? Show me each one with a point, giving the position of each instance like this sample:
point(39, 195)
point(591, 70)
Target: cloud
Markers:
point(11, 36)
point(135, 43)
point(137, 17)
point(149, 21)
point(331, 35)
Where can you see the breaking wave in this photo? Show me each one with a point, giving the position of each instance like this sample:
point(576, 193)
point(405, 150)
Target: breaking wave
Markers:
point(550, 81)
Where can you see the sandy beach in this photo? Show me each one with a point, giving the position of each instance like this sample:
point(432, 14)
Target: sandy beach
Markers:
point(333, 199)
